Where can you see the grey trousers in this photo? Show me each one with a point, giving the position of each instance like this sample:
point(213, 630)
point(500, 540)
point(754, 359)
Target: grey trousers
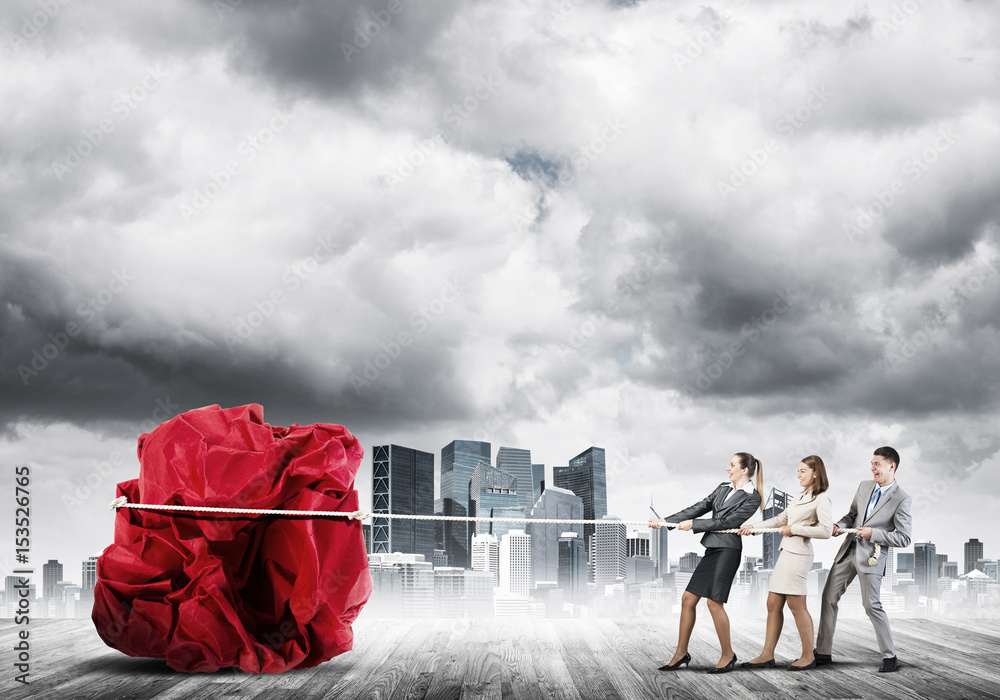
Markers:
point(841, 575)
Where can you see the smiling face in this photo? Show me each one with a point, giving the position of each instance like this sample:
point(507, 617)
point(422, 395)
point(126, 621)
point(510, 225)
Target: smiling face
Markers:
point(806, 475)
point(735, 469)
point(883, 471)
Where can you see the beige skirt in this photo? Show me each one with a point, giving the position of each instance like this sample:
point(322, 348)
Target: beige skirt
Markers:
point(791, 573)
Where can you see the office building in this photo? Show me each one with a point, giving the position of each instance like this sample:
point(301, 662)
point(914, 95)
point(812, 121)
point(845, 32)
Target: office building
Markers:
point(459, 460)
point(904, 563)
point(989, 567)
point(689, 562)
point(403, 483)
point(486, 555)
point(517, 463)
point(491, 489)
point(638, 544)
point(610, 551)
point(586, 476)
point(981, 590)
point(403, 585)
point(555, 503)
point(537, 480)
point(515, 563)
point(639, 569)
point(942, 559)
point(777, 502)
point(440, 558)
point(52, 573)
point(11, 595)
point(973, 553)
point(950, 570)
point(660, 551)
point(462, 593)
point(89, 574)
point(572, 574)
point(925, 568)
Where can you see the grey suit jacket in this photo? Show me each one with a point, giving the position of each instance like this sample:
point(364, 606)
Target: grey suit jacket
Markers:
point(890, 523)
point(726, 514)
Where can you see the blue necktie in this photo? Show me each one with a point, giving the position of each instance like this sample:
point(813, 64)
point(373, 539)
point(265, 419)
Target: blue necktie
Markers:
point(874, 501)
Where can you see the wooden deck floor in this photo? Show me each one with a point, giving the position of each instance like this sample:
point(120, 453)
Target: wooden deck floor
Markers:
point(577, 659)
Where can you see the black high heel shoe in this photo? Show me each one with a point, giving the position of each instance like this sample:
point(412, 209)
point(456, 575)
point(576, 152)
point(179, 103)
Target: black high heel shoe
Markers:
point(763, 664)
point(673, 667)
point(725, 669)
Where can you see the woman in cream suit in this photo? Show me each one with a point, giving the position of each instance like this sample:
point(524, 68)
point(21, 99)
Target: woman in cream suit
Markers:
point(808, 517)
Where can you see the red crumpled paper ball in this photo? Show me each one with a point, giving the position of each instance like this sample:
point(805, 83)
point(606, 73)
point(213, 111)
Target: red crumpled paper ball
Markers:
point(209, 591)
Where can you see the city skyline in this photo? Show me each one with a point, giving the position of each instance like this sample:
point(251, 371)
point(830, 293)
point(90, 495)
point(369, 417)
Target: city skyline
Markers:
point(365, 494)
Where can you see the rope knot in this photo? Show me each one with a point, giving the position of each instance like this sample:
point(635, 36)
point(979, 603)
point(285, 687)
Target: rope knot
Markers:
point(118, 503)
point(360, 515)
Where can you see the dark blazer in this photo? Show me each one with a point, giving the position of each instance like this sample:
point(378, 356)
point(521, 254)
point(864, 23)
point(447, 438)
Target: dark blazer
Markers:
point(733, 513)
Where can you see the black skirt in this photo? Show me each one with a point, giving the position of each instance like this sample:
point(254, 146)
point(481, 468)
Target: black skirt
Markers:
point(713, 577)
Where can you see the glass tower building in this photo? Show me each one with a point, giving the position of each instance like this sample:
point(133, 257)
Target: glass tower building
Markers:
point(586, 476)
point(459, 460)
point(517, 463)
point(402, 482)
point(555, 503)
point(925, 568)
point(492, 494)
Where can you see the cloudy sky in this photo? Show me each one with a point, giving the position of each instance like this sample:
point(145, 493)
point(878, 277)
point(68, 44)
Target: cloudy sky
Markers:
point(674, 230)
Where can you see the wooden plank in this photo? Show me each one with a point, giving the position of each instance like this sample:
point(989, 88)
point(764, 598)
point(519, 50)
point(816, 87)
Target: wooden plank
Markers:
point(531, 658)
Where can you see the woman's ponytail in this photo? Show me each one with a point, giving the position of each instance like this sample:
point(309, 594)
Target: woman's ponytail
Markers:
point(760, 484)
point(753, 465)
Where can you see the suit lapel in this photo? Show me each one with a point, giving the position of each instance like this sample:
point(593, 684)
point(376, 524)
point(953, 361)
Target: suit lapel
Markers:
point(881, 502)
point(726, 506)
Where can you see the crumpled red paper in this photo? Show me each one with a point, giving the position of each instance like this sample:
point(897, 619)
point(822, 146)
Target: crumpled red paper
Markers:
point(264, 593)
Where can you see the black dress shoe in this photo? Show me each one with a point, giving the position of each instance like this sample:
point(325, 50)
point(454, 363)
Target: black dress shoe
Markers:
point(888, 665)
point(793, 667)
point(763, 664)
point(822, 659)
point(724, 669)
point(674, 667)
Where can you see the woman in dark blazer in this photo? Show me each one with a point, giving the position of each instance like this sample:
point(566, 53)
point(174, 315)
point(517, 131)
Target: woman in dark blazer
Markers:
point(732, 503)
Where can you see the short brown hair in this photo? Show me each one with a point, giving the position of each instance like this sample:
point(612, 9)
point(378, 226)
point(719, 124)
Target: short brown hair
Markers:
point(820, 481)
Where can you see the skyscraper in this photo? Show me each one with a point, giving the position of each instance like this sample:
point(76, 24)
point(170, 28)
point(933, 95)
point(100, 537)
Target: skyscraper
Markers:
point(486, 555)
point(777, 501)
point(586, 477)
point(554, 503)
point(572, 575)
point(402, 482)
point(89, 574)
point(52, 573)
point(537, 480)
point(515, 563)
point(660, 551)
point(517, 463)
point(638, 544)
point(610, 551)
point(973, 553)
point(925, 568)
point(459, 460)
point(904, 563)
point(490, 488)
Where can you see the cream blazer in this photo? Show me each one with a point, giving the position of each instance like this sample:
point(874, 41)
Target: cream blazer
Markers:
point(808, 518)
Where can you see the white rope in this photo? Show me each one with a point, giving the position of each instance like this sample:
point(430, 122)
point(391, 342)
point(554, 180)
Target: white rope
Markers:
point(122, 502)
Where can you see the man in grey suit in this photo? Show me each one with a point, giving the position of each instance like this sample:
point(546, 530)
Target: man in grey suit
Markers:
point(881, 513)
